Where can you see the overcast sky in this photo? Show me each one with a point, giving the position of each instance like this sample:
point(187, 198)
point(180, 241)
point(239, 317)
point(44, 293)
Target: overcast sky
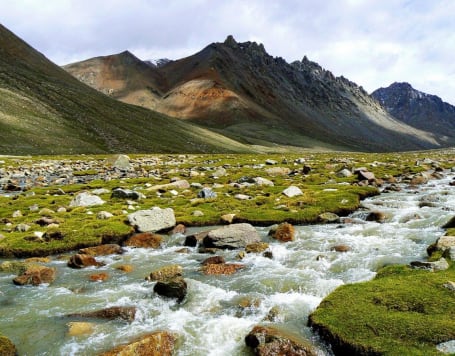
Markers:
point(371, 42)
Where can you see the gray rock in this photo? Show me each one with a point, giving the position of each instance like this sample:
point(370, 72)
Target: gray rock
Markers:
point(292, 191)
point(104, 215)
point(262, 181)
point(445, 242)
point(447, 347)
point(242, 197)
point(450, 286)
point(232, 236)
point(121, 162)
point(126, 194)
point(152, 220)
point(450, 253)
point(206, 193)
point(178, 184)
point(328, 218)
point(100, 191)
point(86, 199)
point(365, 175)
point(440, 265)
point(270, 162)
point(220, 172)
point(197, 213)
point(22, 227)
point(344, 173)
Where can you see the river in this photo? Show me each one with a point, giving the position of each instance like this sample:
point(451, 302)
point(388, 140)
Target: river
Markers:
point(210, 320)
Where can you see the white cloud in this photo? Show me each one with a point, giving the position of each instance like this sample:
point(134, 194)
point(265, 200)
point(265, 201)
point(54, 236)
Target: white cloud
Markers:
point(372, 42)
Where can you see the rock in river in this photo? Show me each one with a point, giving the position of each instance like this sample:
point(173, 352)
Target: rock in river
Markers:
point(172, 288)
point(36, 275)
point(232, 236)
point(158, 343)
point(111, 313)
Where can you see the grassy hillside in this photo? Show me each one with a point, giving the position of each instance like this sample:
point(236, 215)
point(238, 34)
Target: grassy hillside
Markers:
point(44, 110)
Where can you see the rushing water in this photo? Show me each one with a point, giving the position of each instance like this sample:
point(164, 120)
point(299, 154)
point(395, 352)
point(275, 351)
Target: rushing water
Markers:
point(210, 320)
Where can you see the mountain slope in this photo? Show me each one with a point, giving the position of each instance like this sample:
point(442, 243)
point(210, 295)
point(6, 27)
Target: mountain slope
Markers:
point(44, 110)
point(423, 111)
point(241, 91)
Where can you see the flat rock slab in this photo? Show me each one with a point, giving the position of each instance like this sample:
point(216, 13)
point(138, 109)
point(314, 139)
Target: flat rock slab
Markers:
point(232, 236)
point(86, 199)
point(152, 220)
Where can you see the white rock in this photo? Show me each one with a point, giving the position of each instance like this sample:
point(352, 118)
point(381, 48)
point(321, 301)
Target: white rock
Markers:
point(86, 199)
point(262, 181)
point(104, 215)
point(292, 191)
point(100, 191)
point(242, 197)
point(152, 220)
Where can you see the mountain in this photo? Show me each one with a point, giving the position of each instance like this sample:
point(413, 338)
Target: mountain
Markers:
point(45, 110)
point(423, 111)
point(243, 92)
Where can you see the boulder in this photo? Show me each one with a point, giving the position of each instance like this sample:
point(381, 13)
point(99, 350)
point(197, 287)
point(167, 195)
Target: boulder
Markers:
point(232, 236)
point(344, 173)
point(220, 172)
point(102, 250)
point(292, 191)
point(263, 182)
point(178, 184)
point(376, 216)
point(166, 272)
point(83, 260)
point(36, 275)
point(445, 242)
point(125, 268)
point(126, 194)
point(270, 341)
point(213, 260)
point(257, 247)
point(328, 218)
point(120, 162)
point(158, 343)
point(278, 171)
point(86, 199)
point(99, 277)
point(7, 348)
point(111, 313)
point(179, 229)
point(172, 288)
point(228, 218)
point(221, 268)
point(78, 328)
point(145, 240)
point(270, 162)
point(206, 193)
point(284, 232)
point(341, 248)
point(152, 220)
point(365, 175)
point(440, 265)
point(242, 197)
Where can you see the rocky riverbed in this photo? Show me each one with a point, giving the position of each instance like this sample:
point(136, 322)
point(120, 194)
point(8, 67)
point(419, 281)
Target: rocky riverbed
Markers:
point(203, 290)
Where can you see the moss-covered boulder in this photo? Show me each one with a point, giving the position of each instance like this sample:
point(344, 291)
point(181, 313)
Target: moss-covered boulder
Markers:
point(402, 311)
point(7, 348)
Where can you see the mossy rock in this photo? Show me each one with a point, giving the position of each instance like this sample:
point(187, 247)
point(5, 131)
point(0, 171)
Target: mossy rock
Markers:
point(401, 312)
point(7, 348)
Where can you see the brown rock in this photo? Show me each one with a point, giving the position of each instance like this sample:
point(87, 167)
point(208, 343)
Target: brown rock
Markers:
point(36, 275)
point(284, 232)
point(449, 224)
point(102, 250)
point(99, 277)
point(221, 268)
point(257, 247)
point(166, 272)
point(341, 248)
point(172, 288)
point(83, 260)
point(270, 341)
point(124, 313)
point(125, 268)
point(227, 218)
point(376, 216)
point(7, 348)
point(213, 260)
point(158, 343)
point(144, 239)
point(179, 229)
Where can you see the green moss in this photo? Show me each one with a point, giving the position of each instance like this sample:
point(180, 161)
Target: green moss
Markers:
point(401, 312)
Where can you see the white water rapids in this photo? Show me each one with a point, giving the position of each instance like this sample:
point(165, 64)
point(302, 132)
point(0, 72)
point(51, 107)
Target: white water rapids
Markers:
point(210, 321)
